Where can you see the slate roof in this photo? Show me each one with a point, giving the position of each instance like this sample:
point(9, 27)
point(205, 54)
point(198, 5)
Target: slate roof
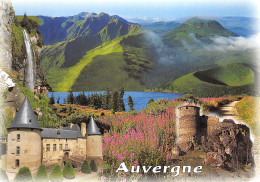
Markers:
point(25, 117)
point(63, 133)
point(92, 128)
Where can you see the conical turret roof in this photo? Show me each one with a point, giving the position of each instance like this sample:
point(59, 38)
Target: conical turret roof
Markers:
point(25, 117)
point(92, 128)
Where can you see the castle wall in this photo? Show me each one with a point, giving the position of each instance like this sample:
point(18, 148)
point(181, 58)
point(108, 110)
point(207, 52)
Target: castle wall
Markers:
point(30, 149)
point(70, 147)
point(94, 146)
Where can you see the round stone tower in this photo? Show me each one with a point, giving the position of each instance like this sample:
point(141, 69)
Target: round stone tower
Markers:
point(186, 126)
point(94, 141)
point(24, 143)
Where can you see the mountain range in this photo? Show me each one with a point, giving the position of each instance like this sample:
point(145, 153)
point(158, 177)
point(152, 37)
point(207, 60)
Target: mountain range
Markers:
point(93, 52)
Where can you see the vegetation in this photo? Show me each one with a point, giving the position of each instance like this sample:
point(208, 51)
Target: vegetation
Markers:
point(68, 171)
point(42, 175)
point(247, 109)
point(24, 174)
point(93, 166)
point(29, 24)
point(130, 103)
point(85, 168)
point(52, 99)
point(110, 100)
point(18, 47)
point(49, 117)
point(56, 174)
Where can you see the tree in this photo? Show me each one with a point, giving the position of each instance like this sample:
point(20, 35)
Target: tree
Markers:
point(58, 100)
point(3, 176)
point(121, 99)
point(130, 103)
point(68, 171)
point(24, 174)
point(52, 99)
point(93, 166)
point(85, 168)
point(70, 98)
point(42, 175)
point(56, 174)
point(150, 101)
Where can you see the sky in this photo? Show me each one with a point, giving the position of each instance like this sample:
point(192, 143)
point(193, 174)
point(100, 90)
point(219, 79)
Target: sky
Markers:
point(156, 9)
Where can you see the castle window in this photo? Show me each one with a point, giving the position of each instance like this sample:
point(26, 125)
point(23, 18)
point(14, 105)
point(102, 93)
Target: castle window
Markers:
point(17, 163)
point(18, 137)
point(66, 146)
point(30, 120)
point(47, 147)
point(54, 147)
point(17, 150)
point(60, 146)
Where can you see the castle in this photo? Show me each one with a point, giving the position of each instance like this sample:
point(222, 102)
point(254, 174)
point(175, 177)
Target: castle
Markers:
point(30, 145)
point(226, 143)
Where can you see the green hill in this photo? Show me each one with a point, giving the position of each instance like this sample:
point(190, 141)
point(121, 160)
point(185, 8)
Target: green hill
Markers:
point(229, 79)
point(199, 28)
point(232, 75)
point(113, 64)
point(91, 41)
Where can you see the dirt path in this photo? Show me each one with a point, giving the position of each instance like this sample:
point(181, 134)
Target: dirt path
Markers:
point(228, 111)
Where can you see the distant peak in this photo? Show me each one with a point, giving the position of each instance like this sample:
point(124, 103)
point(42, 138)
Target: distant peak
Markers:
point(85, 15)
point(197, 20)
point(103, 14)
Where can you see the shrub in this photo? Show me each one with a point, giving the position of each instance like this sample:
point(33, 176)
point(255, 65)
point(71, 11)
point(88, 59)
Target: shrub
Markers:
point(85, 168)
point(68, 171)
point(93, 166)
point(3, 176)
point(42, 174)
point(24, 174)
point(56, 174)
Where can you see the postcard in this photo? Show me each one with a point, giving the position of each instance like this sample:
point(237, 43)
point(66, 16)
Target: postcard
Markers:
point(136, 90)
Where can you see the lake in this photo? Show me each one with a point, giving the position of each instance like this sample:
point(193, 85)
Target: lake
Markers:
point(140, 98)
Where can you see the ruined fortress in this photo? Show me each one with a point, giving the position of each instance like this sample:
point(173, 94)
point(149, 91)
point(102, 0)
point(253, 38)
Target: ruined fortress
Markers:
point(30, 145)
point(226, 143)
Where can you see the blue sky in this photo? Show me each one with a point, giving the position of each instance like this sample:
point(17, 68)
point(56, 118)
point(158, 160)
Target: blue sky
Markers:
point(159, 9)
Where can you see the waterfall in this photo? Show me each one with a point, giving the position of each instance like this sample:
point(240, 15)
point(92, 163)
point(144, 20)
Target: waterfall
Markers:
point(29, 77)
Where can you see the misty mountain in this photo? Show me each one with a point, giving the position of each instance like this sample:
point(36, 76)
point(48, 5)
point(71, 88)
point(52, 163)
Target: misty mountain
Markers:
point(242, 26)
point(193, 29)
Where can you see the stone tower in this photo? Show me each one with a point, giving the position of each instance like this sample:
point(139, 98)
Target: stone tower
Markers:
point(187, 125)
point(24, 145)
point(94, 140)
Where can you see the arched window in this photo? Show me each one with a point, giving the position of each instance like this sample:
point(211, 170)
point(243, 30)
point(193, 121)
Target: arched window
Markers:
point(17, 163)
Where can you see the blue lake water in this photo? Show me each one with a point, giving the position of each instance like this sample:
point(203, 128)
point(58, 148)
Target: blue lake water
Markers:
point(140, 98)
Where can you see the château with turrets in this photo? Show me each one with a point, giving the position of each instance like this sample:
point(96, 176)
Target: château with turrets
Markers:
point(30, 145)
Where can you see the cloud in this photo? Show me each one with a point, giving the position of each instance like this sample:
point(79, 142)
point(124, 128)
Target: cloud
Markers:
point(234, 43)
point(224, 44)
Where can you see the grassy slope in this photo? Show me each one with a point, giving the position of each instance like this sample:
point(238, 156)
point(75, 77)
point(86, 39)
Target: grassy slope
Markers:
point(232, 74)
point(193, 85)
point(106, 71)
point(246, 109)
point(62, 80)
point(34, 18)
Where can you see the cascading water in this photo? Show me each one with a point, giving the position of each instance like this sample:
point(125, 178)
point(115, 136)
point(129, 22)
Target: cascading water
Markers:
point(29, 77)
